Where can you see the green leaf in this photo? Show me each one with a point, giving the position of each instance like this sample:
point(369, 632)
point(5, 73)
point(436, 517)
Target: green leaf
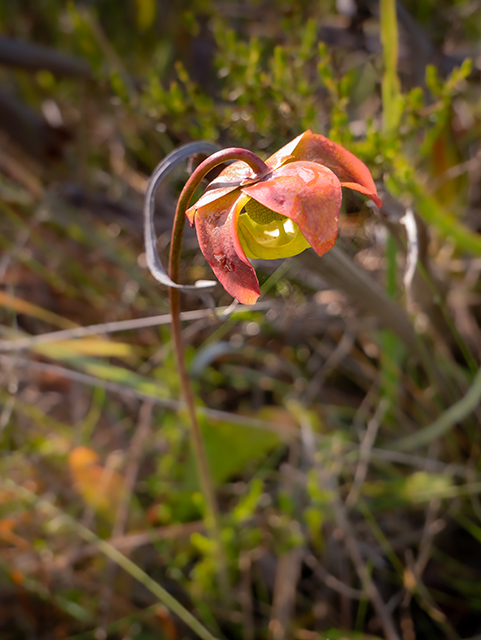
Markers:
point(458, 75)
point(146, 10)
point(308, 42)
point(433, 82)
point(247, 505)
point(339, 634)
point(417, 488)
point(230, 448)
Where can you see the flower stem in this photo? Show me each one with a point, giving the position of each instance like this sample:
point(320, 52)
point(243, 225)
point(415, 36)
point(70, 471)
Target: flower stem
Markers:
point(212, 519)
point(391, 92)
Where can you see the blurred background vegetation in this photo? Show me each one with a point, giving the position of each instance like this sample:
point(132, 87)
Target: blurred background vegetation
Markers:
point(341, 415)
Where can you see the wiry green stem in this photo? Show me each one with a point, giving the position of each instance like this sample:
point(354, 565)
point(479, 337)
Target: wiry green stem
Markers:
point(391, 94)
point(212, 510)
point(391, 103)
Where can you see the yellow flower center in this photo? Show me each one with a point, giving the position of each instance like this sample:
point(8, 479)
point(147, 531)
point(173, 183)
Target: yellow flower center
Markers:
point(268, 235)
point(261, 214)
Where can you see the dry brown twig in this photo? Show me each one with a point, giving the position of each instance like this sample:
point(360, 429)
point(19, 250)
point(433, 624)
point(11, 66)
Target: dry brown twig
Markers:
point(134, 458)
point(289, 564)
point(365, 452)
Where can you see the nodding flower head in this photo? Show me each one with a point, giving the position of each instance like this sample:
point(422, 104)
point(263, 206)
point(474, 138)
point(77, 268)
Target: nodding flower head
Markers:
point(279, 213)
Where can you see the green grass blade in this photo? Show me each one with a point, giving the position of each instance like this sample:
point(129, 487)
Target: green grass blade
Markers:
point(448, 419)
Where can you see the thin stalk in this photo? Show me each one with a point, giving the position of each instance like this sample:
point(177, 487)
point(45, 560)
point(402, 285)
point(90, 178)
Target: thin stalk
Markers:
point(391, 93)
point(212, 519)
point(391, 103)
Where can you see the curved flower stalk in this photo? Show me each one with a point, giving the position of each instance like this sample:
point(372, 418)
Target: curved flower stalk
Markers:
point(292, 203)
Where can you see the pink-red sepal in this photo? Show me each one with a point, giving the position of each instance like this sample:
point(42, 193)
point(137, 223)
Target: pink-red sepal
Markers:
point(216, 226)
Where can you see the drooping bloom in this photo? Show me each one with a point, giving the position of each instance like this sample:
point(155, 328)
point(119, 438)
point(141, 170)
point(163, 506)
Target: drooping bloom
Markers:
point(293, 205)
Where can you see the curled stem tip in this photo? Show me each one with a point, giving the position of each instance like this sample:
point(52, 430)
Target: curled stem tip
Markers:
point(257, 165)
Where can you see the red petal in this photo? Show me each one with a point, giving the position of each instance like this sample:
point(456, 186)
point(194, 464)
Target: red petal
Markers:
point(216, 225)
point(286, 152)
point(314, 147)
point(309, 194)
point(227, 181)
point(366, 191)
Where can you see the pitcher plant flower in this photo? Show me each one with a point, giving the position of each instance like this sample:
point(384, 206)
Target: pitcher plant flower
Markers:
point(253, 209)
point(292, 204)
